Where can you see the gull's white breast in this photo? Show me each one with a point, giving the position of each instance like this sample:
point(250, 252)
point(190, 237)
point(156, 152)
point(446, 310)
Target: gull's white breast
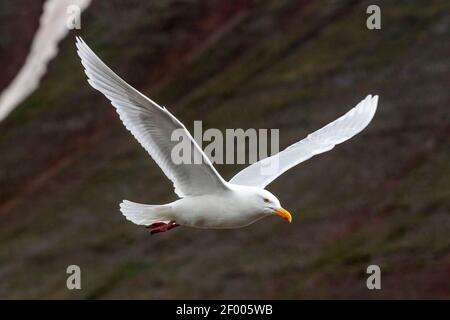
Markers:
point(230, 209)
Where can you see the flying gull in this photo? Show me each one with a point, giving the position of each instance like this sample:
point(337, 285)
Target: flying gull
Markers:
point(206, 199)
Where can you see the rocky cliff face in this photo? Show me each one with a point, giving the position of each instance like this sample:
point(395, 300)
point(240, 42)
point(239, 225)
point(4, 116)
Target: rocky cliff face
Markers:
point(381, 198)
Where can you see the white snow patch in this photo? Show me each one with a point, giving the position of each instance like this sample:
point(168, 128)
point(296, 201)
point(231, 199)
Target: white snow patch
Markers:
point(52, 29)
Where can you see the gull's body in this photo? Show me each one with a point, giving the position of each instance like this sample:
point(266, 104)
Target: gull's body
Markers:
point(223, 210)
point(206, 199)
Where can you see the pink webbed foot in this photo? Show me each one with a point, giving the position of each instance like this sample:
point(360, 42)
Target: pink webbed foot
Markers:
point(161, 227)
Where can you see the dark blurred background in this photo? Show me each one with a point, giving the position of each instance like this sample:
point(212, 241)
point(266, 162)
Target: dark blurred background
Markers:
point(66, 161)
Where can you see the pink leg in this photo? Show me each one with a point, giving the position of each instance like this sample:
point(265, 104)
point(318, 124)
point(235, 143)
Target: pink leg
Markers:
point(161, 227)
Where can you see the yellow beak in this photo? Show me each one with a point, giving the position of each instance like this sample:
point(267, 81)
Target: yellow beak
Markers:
point(283, 213)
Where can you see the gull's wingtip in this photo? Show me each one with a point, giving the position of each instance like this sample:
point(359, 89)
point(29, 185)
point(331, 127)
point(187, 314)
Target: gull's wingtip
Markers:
point(375, 101)
point(79, 45)
point(372, 101)
point(80, 42)
point(373, 97)
point(372, 105)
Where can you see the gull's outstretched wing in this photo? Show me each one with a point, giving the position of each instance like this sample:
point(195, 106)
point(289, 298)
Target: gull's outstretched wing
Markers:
point(153, 126)
point(263, 172)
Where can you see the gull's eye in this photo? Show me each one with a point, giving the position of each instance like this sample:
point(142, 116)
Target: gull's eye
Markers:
point(266, 200)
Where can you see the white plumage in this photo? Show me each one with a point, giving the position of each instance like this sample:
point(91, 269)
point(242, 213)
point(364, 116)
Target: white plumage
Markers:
point(317, 142)
point(206, 199)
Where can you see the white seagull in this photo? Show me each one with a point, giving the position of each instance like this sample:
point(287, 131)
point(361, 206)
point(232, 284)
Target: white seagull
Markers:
point(206, 199)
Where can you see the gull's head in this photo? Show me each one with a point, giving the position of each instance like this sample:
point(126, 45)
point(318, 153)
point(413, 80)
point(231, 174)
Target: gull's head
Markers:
point(269, 204)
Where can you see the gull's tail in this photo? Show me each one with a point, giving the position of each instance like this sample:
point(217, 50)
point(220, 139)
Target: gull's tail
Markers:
point(146, 214)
